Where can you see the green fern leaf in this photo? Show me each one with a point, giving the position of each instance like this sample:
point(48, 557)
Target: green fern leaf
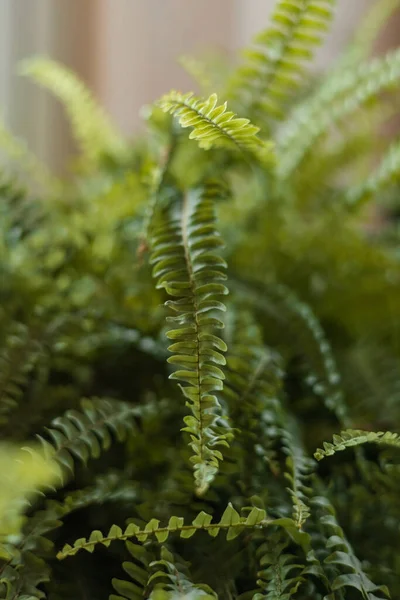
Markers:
point(299, 468)
point(339, 97)
point(349, 572)
point(213, 125)
point(91, 127)
point(303, 327)
point(187, 267)
point(172, 580)
point(280, 574)
point(139, 571)
point(273, 69)
point(84, 435)
point(231, 522)
point(17, 360)
point(387, 172)
point(356, 437)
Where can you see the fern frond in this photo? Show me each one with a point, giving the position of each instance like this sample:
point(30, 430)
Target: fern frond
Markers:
point(273, 69)
point(331, 103)
point(387, 172)
point(231, 522)
point(17, 360)
point(84, 435)
point(311, 341)
point(280, 574)
point(349, 571)
point(139, 572)
point(91, 127)
point(356, 437)
point(24, 580)
point(253, 384)
point(299, 467)
point(214, 125)
point(178, 583)
point(187, 267)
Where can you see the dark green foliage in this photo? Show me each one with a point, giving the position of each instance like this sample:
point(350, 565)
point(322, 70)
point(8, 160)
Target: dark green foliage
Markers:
point(126, 367)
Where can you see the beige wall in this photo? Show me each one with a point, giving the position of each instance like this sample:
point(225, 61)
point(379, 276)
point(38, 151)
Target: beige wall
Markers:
point(138, 44)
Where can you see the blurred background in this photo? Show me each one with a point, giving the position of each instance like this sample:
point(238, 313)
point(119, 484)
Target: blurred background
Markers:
point(127, 50)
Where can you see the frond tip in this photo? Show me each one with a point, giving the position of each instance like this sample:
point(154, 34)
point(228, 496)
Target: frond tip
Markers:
point(187, 267)
point(272, 71)
point(356, 437)
point(213, 124)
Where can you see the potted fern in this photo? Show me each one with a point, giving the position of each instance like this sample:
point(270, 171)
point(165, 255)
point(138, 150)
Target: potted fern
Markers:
point(199, 385)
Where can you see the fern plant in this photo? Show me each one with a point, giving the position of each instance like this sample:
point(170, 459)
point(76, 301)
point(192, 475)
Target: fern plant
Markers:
point(199, 336)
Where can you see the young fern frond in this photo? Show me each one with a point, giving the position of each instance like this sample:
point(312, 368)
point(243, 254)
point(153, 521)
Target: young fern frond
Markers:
point(356, 437)
point(231, 523)
point(280, 576)
point(83, 435)
point(343, 557)
point(172, 580)
point(188, 268)
point(387, 172)
point(91, 127)
point(331, 103)
point(213, 125)
point(273, 69)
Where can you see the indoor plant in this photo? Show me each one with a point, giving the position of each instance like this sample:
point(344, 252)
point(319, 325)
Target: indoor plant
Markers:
point(304, 346)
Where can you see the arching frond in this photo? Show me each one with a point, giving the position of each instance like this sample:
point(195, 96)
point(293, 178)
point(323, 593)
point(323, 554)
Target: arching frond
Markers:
point(213, 125)
point(91, 127)
point(273, 69)
point(190, 271)
point(331, 103)
point(84, 435)
point(387, 172)
point(356, 437)
point(231, 522)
